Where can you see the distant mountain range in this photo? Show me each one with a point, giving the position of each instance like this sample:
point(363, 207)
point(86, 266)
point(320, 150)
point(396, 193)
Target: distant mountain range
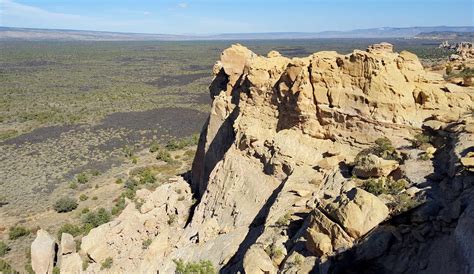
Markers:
point(30, 34)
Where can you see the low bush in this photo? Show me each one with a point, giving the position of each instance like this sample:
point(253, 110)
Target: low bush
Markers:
point(201, 267)
point(4, 248)
point(95, 219)
point(107, 263)
point(164, 155)
point(83, 197)
point(119, 206)
point(274, 251)
point(3, 201)
point(82, 178)
point(146, 177)
point(154, 147)
point(382, 148)
point(65, 204)
point(284, 220)
point(146, 243)
point(72, 229)
point(17, 232)
point(176, 144)
point(6, 267)
point(403, 203)
point(385, 186)
point(420, 140)
point(374, 186)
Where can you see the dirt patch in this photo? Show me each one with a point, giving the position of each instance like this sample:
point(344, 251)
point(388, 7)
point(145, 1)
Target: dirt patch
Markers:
point(177, 80)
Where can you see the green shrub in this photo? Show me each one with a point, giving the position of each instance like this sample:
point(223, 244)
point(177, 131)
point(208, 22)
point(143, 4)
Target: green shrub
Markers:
point(274, 251)
point(284, 220)
point(95, 219)
point(65, 204)
point(403, 203)
point(146, 243)
point(384, 186)
point(85, 265)
point(17, 232)
point(4, 248)
point(155, 146)
point(201, 267)
point(95, 198)
point(3, 200)
point(83, 197)
point(85, 210)
point(6, 267)
point(395, 187)
point(128, 151)
point(176, 144)
point(374, 186)
point(56, 270)
point(72, 229)
point(134, 160)
point(95, 172)
point(119, 181)
point(164, 155)
point(146, 177)
point(382, 148)
point(420, 140)
point(29, 269)
point(73, 185)
point(107, 263)
point(82, 178)
point(171, 219)
point(131, 184)
point(119, 206)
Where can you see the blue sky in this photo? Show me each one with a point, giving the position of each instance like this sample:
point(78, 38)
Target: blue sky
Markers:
point(227, 16)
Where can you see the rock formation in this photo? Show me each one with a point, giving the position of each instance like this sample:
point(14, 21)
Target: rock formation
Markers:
point(43, 253)
point(278, 180)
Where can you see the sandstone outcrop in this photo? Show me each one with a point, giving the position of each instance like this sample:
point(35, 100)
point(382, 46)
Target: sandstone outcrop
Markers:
point(273, 173)
point(43, 252)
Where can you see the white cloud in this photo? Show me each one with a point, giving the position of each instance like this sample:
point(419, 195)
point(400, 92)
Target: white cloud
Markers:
point(11, 8)
point(183, 5)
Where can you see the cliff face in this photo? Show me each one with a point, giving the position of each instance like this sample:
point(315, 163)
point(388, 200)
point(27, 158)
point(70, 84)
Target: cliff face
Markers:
point(282, 184)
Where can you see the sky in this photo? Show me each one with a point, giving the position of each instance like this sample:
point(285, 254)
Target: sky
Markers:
point(232, 16)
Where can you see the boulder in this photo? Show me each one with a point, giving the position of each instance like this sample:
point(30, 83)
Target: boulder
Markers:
point(468, 161)
point(257, 261)
point(68, 245)
point(71, 263)
point(357, 211)
point(317, 243)
point(370, 166)
point(43, 252)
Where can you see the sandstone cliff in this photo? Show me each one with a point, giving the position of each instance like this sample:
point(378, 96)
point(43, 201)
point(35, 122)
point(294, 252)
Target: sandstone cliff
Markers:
point(287, 167)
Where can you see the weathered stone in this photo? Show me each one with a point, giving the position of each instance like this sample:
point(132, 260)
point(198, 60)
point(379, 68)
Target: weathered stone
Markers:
point(357, 211)
point(43, 252)
point(318, 243)
point(71, 263)
point(68, 245)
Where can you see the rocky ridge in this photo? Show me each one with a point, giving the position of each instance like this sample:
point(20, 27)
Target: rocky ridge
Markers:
point(312, 165)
